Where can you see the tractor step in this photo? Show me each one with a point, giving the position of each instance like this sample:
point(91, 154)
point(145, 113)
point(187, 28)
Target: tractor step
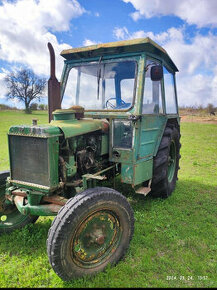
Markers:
point(144, 189)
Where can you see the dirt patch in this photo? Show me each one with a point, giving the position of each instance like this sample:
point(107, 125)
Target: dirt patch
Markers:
point(198, 119)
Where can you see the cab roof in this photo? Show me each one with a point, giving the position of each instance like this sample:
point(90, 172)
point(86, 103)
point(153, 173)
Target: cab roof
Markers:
point(118, 47)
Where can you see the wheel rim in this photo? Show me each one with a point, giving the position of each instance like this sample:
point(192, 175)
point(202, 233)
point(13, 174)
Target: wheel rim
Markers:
point(171, 161)
point(96, 239)
point(10, 217)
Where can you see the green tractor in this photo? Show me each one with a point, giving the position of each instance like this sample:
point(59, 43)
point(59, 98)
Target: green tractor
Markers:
point(115, 112)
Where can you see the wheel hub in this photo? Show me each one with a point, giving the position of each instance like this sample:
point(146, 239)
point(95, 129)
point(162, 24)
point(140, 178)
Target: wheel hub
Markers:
point(96, 238)
point(100, 240)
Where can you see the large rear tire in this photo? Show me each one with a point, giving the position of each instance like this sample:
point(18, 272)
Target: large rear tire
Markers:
point(10, 217)
point(166, 163)
point(91, 230)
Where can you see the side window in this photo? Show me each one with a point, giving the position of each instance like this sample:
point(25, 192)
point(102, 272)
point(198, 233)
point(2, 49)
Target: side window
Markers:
point(127, 86)
point(152, 98)
point(170, 97)
point(110, 90)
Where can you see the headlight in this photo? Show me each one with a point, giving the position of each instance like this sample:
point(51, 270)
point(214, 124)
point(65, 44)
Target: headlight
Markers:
point(122, 134)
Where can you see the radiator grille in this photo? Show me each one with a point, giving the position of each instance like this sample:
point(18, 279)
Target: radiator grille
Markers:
point(29, 159)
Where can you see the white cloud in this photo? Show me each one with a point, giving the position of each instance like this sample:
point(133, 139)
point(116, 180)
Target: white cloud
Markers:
point(121, 33)
point(88, 42)
point(199, 12)
point(196, 61)
point(24, 31)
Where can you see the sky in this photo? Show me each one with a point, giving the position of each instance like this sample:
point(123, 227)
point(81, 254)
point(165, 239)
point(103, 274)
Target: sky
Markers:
point(187, 29)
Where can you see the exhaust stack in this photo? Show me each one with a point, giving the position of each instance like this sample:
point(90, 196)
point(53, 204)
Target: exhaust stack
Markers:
point(54, 98)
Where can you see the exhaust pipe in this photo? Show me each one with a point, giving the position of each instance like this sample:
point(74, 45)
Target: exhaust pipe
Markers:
point(54, 98)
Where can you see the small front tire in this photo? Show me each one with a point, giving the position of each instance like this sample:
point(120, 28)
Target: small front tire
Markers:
point(92, 230)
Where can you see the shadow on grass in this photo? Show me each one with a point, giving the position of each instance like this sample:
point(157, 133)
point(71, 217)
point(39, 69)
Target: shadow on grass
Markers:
point(159, 219)
point(188, 193)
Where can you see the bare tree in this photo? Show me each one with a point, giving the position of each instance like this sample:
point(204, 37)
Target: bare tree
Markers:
point(25, 86)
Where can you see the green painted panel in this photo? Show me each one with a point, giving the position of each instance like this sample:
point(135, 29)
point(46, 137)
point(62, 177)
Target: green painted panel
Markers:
point(151, 129)
point(138, 173)
point(76, 127)
point(127, 173)
point(105, 144)
point(143, 171)
point(125, 156)
point(53, 151)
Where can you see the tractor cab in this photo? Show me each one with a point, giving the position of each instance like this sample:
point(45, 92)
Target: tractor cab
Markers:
point(132, 85)
point(127, 77)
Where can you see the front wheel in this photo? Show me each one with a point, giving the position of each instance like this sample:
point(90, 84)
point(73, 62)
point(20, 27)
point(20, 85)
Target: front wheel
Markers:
point(10, 217)
point(92, 230)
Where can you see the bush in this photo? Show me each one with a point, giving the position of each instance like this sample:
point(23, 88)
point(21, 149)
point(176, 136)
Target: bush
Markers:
point(211, 109)
point(41, 107)
point(5, 107)
point(34, 107)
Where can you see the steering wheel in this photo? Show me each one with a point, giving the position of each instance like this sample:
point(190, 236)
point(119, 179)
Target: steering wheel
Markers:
point(110, 105)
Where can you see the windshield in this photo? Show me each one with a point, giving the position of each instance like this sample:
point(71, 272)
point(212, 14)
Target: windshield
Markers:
point(101, 86)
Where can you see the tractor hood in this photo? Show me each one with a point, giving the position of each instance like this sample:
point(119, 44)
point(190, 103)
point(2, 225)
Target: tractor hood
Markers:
point(71, 126)
point(64, 122)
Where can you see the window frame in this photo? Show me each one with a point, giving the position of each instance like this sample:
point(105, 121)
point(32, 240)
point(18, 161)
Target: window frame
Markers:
point(159, 61)
point(172, 73)
point(134, 58)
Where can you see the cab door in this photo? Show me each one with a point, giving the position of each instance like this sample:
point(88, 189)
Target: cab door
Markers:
point(153, 118)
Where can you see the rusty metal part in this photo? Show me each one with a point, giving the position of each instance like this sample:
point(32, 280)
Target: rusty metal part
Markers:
point(127, 46)
point(34, 122)
point(105, 126)
point(144, 190)
point(75, 183)
point(19, 193)
point(79, 111)
point(96, 238)
point(63, 169)
point(100, 240)
point(54, 98)
point(40, 210)
point(93, 176)
point(55, 199)
point(59, 200)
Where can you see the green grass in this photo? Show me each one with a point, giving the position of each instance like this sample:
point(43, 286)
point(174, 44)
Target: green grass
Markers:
point(174, 244)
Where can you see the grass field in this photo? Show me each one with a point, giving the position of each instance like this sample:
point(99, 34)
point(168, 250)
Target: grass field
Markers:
point(174, 244)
